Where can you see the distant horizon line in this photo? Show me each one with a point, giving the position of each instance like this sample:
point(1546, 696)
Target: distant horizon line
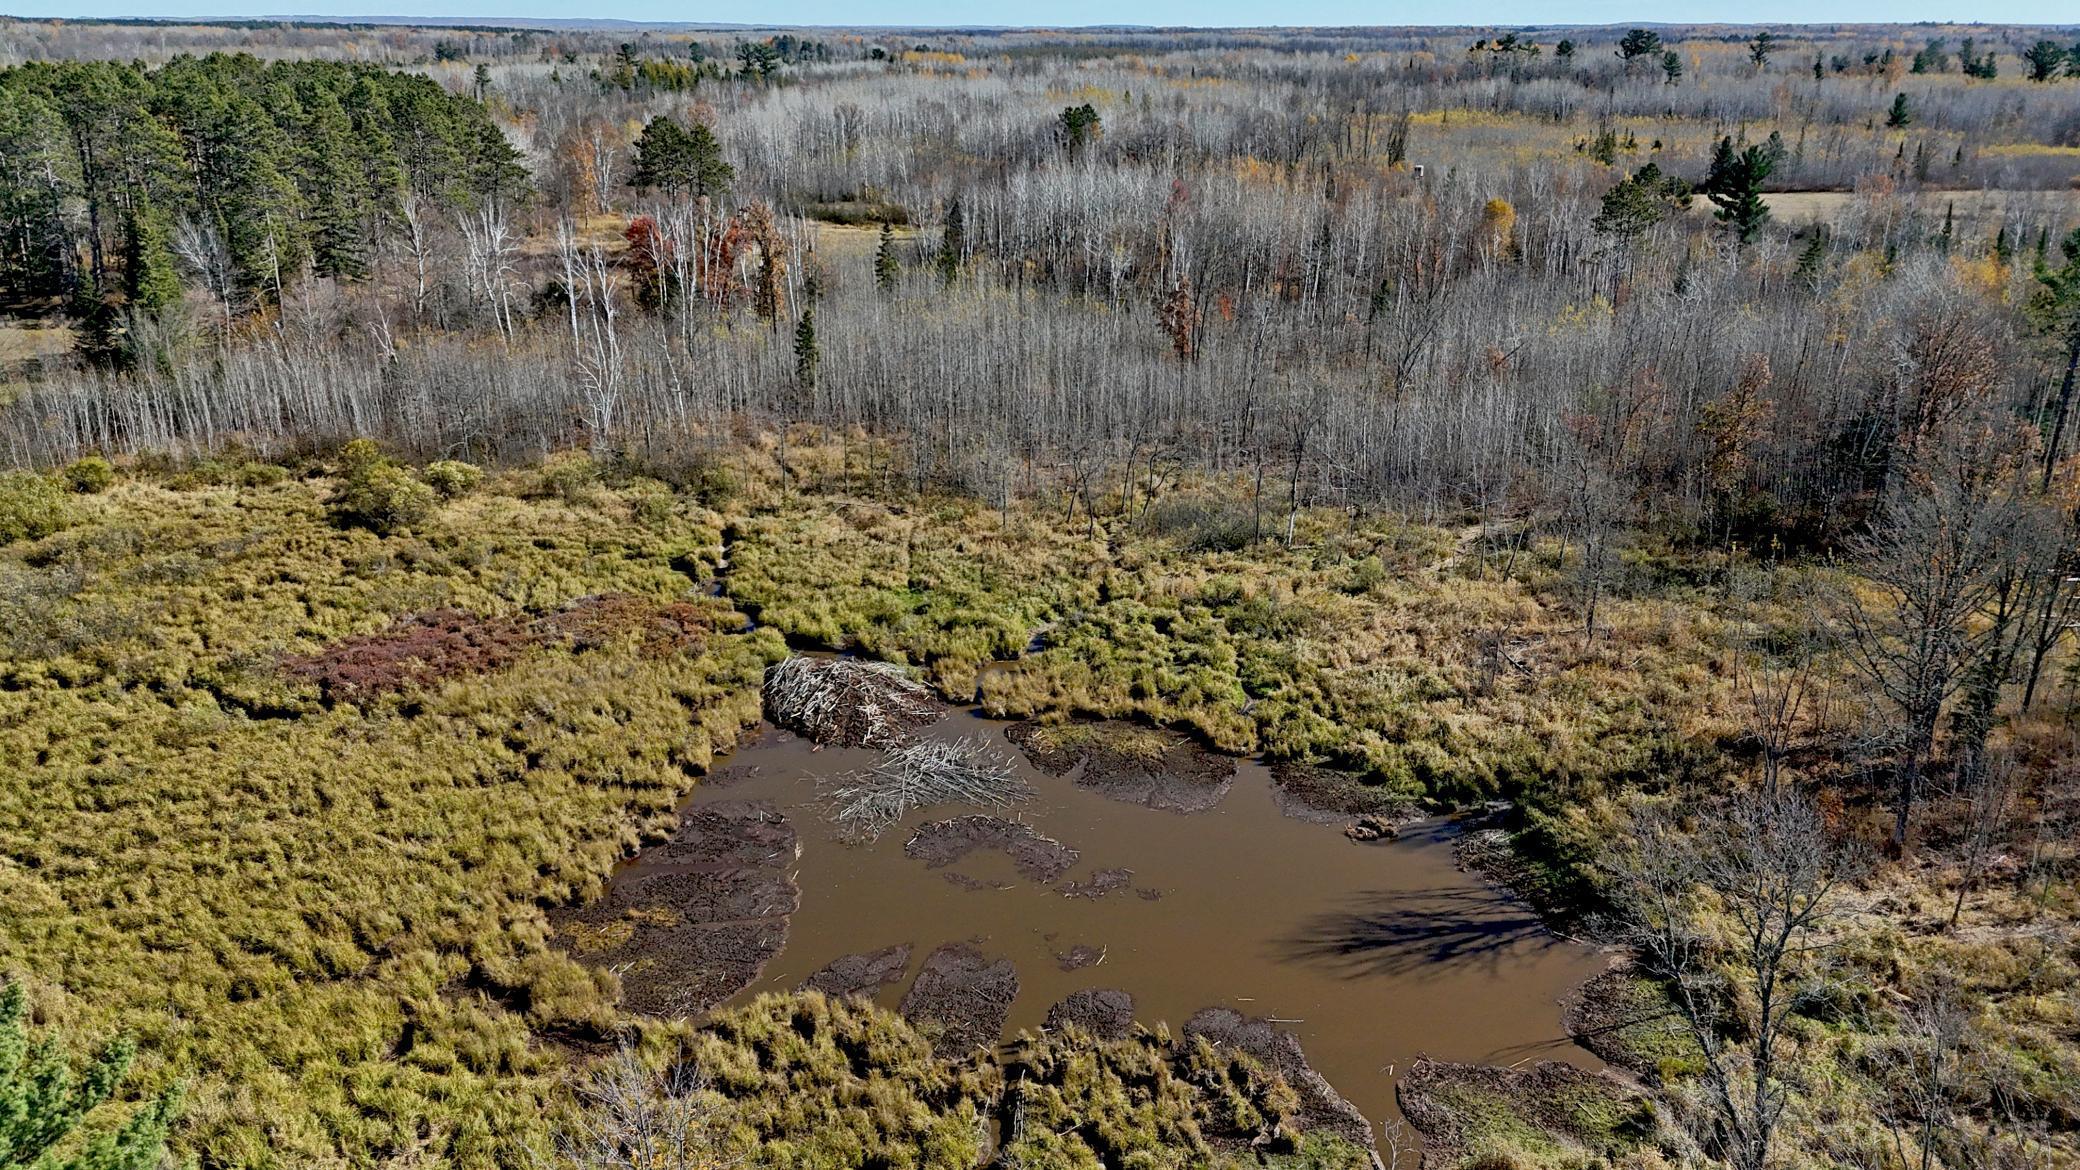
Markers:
point(580, 23)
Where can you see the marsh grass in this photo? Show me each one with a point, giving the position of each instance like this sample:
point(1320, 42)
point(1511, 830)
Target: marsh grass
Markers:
point(329, 918)
point(1361, 648)
point(811, 1081)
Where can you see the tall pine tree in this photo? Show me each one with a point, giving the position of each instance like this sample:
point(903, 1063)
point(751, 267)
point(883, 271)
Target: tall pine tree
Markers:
point(953, 242)
point(44, 1103)
point(888, 269)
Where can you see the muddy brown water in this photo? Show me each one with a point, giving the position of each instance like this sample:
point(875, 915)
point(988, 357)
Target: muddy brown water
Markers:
point(1372, 954)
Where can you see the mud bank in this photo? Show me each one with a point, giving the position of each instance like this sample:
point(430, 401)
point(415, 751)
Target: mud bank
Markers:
point(961, 998)
point(699, 922)
point(1129, 763)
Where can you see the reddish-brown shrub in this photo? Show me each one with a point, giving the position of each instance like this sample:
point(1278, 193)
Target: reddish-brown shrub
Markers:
point(424, 648)
point(413, 652)
point(660, 628)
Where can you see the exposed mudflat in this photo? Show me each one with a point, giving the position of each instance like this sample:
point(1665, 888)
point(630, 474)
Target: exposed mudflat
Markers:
point(1330, 797)
point(1100, 903)
point(1129, 763)
point(941, 843)
point(1322, 1108)
point(961, 998)
point(699, 922)
point(730, 833)
point(1105, 1012)
point(864, 974)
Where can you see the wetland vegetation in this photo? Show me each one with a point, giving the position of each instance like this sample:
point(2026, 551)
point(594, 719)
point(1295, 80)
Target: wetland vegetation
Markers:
point(1260, 547)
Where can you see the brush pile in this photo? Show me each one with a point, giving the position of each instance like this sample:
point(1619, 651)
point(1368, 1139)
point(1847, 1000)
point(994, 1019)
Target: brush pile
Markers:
point(962, 771)
point(847, 702)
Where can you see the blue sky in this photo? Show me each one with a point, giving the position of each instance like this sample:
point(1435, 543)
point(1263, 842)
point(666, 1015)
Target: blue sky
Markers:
point(1083, 12)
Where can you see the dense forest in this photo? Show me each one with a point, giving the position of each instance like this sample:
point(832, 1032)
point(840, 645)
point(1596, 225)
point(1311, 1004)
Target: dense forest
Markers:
point(422, 441)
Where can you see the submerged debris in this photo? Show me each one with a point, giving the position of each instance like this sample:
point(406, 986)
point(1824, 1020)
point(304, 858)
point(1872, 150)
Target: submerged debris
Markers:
point(962, 997)
point(1322, 1108)
point(848, 702)
point(1372, 827)
point(962, 771)
point(1104, 1012)
point(942, 843)
point(1099, 884)
point(861, 974)
point(1077, 957)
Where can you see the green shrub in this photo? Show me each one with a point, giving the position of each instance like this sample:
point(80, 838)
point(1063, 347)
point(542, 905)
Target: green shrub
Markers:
point(254, 473)
point(359, 453)
point(652, 507)
point(381, 497)
point(453, 478)
point(204, 473)
point(569, 477)
point(90, 475)
point(31, 507)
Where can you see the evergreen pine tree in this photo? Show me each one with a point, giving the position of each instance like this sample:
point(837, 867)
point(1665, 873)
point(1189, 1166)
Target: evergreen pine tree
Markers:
point(334, 185)
point(2054, 311)
point(99, 335)
point(953, 242)
point(1723, 157)
point(2045, 59)
point(1812, 261)
point(151, 283)
point(1760, 46)
point(1736, 188)
point(806, 355)
point(887, 268)
point(1638, 43)
point(44, 1101)
point(681, 161)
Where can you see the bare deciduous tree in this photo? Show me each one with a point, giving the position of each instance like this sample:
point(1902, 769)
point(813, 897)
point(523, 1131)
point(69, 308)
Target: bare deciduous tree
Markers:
point(633, 1119)
point(1729, 918)
point(1930, 563)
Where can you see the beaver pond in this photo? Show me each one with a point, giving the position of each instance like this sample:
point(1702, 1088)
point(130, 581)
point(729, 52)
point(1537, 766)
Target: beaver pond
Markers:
point(1182, 879)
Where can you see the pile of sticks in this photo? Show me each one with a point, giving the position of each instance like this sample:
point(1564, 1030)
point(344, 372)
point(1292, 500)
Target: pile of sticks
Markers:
point(963, 771)
point(848, 702)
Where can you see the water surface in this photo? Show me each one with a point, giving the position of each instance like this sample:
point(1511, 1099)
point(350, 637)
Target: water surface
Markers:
point(1373, 954)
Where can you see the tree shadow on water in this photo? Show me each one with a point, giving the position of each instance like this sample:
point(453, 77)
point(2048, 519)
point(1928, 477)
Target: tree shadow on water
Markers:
point(1414, 932)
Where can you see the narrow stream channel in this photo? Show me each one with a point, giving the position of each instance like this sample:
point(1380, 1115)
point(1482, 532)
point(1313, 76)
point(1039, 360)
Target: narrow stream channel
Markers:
point(1373, 954)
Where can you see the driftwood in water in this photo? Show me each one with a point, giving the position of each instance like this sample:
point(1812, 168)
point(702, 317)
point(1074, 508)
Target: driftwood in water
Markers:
point(962, 771)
